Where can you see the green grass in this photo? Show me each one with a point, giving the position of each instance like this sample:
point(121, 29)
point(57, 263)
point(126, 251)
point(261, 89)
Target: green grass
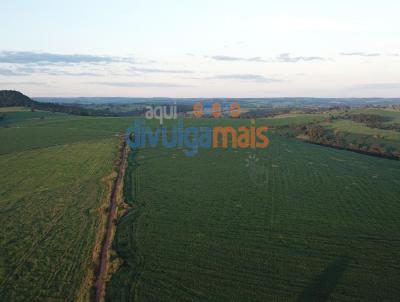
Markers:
point(393, 115)
point(52, 186)
point(26, 131)
point(359, 133)
point(361, 129)
point(49, 211)
point(303, 223)
point(20, 139)
point(351, 132)
point(294, 119)
point(111, 124)
point(23, 116)
point(14, 109)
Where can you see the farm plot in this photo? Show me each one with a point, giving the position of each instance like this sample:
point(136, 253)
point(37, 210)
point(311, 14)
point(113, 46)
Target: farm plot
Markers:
point(49, 208)
point(52, 194)
point(294, 222)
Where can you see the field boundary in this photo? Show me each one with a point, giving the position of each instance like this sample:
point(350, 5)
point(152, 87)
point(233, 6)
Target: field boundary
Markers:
point(129, 262)
point(101, 274)
point(86, 292)
point(368, 153)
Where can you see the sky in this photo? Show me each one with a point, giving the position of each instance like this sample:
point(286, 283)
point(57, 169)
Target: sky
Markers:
point(190, 48)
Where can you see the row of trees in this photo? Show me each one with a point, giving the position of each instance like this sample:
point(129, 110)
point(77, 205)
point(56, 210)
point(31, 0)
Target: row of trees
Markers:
point(316, 134)
point(373, 121)
point(357, 143)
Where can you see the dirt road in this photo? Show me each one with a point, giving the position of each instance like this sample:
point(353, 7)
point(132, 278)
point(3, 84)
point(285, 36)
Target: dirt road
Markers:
point(102, 271)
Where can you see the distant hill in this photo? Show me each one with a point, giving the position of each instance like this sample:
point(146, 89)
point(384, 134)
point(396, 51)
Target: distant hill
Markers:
point(11, 98)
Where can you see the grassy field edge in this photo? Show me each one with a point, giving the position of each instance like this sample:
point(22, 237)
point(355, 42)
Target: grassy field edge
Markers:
point(87, 290)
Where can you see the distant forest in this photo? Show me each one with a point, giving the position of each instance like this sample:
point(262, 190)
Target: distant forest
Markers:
point(12, 98)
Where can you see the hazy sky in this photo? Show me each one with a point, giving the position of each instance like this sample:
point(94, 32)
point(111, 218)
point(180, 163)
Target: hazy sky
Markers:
point(201, 48)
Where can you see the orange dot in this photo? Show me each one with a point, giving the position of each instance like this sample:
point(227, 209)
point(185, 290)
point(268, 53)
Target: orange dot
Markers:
point(235, 109)
point(216, 110)
point(198, 109)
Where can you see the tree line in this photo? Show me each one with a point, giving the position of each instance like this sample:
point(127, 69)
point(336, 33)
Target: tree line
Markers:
point(316, 134)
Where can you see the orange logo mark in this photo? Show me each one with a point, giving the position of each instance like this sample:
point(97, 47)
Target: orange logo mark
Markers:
point(235, 110)
point(198, 109)
point(216, 110)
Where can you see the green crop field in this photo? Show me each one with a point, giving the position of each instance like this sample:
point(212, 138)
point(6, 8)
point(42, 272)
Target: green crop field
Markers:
point(384, 136)
point(19, 116)
point(392, 114)
point(354, 131)
point(294, 119)
point(52, 185)
point(14, 109)
point(293, 222)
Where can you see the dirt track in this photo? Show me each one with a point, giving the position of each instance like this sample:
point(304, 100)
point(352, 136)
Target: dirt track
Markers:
point(102, 270)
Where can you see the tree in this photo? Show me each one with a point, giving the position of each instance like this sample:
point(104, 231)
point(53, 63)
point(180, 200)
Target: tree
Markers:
point(315, 132)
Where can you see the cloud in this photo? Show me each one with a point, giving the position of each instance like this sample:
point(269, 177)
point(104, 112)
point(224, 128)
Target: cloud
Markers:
point(140, 84)
point(229, 58)
point(246, 77)
point(21, 83)
point(360, 54)
point(11, 72)
point(283, 57)
point(156, 70)
point(378, 86)
point(74, 74)
point(51, 71)
point(29, 70)
point(27, 63)
point(25, 57)
point(286, 58)
point(55, 72)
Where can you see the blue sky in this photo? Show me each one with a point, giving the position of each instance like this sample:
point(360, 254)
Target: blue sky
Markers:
point(201, 48)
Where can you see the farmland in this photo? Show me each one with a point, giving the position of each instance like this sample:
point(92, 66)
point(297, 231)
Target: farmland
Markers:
point(374, 131)
point(293, 222)
point(297, 222)
point(53, 181)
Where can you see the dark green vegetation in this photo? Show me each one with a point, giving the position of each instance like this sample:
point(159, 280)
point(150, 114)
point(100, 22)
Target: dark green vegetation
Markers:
point(24, 116)
point(373, 131)
point(52, 186)
point(299, 222)
point(10, 98)
point(81, 106)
